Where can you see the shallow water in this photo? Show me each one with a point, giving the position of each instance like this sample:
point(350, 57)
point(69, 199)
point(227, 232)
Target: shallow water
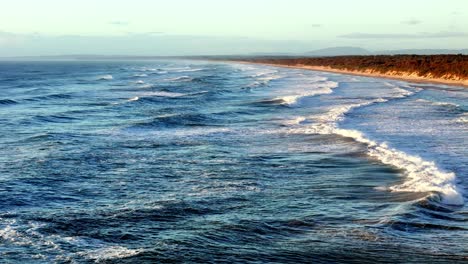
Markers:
point(183, 161)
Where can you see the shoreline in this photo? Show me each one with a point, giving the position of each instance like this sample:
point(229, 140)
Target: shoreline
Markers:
point(397, 76)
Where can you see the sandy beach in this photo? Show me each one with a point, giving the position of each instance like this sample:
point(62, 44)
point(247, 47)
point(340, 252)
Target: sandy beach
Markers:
point(403, 76)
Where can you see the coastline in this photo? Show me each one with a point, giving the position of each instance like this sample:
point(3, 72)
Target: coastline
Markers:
point(408, 77)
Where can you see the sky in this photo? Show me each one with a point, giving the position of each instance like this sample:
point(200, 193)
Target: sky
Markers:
point(194, 27)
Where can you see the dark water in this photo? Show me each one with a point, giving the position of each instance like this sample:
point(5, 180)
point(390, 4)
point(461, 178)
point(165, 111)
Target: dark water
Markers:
point(177, 161)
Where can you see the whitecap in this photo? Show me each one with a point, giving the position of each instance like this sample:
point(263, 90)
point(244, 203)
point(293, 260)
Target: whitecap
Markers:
point(165, 94)
point(311, 90)
point(420, 175)
point(296, 121)
point(190, 70)
point(106, 77)
point(180, 78)
point(141, 75)
point(437, 103)
point(463, 119)
point(110, 253)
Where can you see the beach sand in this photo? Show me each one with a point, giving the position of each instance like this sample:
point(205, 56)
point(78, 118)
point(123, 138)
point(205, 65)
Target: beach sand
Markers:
point(409, 77)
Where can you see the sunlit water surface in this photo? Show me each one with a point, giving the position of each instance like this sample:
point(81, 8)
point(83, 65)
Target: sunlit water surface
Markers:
point(183, 161)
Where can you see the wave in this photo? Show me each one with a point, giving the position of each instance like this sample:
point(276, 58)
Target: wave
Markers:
point(140, 75)
point(55, 118)
point(176, 120)
point(263, 73)
point(190, 70)
point(270, 78)
point(8, 102)
point(181, 78)
point(420, 175)
point(106, 77)
point(140, 82)
point(159, 94)
point(165, 94)
point(31, 235)
point(110, 253)
point(296, 121)
point(146, 69)
point(49, 96)
point(438, 103)
point(463, 119)
point(314, 89)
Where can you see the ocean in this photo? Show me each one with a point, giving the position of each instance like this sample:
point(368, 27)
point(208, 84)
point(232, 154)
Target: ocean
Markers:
point(212, 162)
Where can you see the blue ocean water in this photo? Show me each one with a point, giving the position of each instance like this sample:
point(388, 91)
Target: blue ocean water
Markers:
point(208, 162)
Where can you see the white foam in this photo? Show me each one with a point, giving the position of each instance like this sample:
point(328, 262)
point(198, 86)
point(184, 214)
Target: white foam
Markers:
point(420, 175)
point(437, 103)
point(136, 98)
point(105, 77)
point(269, 78)
point(26, 234)
point(141, 75)
point(463, 119)
point(165, 94)
point(296, 121)
point(180, 78)
point(110, 253)
point(263, 73)
point(190, 70)
point(144, 134)
point(311, 90)
point(140, 82)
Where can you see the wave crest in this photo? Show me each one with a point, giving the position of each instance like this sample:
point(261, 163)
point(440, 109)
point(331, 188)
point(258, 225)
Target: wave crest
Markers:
point(420, 175)
point(106, 77)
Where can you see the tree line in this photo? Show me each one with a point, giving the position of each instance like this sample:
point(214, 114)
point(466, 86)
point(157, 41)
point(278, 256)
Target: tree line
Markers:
point(437, 66)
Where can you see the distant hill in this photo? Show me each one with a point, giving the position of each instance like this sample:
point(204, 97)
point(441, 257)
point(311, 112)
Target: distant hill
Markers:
point(349, 51)
point(450, 68)
point(423, 51)
point(338, 51)
point(327, 52)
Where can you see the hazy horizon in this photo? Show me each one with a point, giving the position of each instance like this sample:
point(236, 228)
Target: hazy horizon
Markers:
point(207, 27)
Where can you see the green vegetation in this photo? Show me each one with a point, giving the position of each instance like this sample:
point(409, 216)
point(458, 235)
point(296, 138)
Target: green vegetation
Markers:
point(436, 66)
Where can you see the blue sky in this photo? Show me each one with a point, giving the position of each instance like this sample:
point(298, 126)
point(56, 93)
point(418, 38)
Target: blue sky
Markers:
point(156, 27)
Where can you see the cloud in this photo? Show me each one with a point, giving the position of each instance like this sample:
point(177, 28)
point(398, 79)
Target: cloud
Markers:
point(405, 36)
point(119, 23)
point(411, 22)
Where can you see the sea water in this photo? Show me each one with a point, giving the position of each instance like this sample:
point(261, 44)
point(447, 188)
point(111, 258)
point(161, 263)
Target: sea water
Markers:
point(207, 162)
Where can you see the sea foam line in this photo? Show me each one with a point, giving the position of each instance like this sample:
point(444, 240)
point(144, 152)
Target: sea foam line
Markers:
point(420, 175)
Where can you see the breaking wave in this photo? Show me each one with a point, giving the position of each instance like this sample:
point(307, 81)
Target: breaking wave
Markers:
point(106, 77)
point(324, 87)
point(420, 175)
point(180, 79)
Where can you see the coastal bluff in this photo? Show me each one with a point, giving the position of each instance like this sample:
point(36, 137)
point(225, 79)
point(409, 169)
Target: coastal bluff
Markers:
point(447, 69)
